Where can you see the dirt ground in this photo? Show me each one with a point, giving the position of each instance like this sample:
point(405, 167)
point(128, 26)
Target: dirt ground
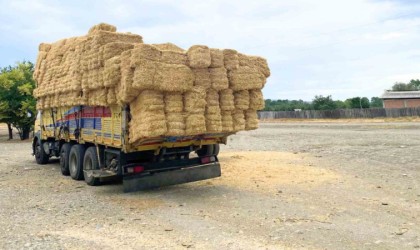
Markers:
point(291, 185)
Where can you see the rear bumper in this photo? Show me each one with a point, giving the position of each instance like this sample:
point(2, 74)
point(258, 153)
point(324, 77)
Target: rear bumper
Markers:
point(146, 181)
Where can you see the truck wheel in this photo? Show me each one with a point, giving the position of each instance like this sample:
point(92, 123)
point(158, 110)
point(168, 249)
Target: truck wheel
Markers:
point(64, 158)
point(205, 150)
point(216, 149)
point(40, 156)
point(90, 162)
point(77, 153)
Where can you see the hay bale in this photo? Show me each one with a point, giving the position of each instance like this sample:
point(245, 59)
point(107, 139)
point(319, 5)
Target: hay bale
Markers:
point(175, 123)
point(227, 121)
point(214, 123)
point(144, 75)
point(241, 99)
point(173, 78)
point(44, 47)
point(238, 120)
point(251, 119)
point(218, 78)
point(246, 78)
point(113, 49)
point(256, 62)
point(173, 57)
point(112, 72)
point(148, 100)
point(199, 56)
point(227, 100)
point(173, 103)
point(256, 99)
point(101, 37)
point(147, 124)
point(216, 58)
point(111, 96)
point(168, 46)
point(143, 52)
point(213, 104)
point(195, 100)
point(230, 59)
point(103, 27)
point(195, 124)
point(202, 78)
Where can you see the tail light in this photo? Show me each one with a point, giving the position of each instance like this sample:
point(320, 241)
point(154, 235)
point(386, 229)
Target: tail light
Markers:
point(135, 170)
point(207, 159)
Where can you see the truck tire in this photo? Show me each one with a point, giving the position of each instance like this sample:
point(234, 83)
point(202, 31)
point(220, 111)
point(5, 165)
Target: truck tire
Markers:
point(216, 149)
point(77, 153)
point(64, 158)
point(205, 150)
point(40, 156)
point(90, 162)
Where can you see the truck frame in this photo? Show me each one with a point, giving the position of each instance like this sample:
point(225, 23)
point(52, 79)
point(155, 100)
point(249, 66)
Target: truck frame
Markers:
point(92, 143)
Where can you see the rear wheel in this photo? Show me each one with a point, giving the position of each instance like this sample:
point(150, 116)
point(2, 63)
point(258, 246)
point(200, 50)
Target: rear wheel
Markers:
point(90, 162)
point(205, 150)
point(40, 156)
point(77, 153)
point(64, 158)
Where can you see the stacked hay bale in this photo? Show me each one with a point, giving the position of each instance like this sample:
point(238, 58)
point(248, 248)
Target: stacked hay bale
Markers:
point(170, 91)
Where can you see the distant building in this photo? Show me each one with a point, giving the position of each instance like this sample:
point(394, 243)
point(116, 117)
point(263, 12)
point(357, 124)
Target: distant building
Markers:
point(401, 99)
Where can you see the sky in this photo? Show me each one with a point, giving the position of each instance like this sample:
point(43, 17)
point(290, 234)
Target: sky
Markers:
point(342, 48)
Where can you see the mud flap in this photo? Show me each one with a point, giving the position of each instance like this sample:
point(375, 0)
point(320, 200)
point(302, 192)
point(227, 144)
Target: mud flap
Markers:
point(184, 175)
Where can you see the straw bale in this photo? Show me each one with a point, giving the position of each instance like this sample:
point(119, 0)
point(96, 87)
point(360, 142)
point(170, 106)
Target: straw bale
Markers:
point(114, 49)
point(255, 62)
point(144, 74)
point(216, 58)
point(101, 37)
point(218, 78)
point(173, 57)
point(195, 100)
point(112, 72)
point(195, 124)
point(214, 123)
point(143, 52)
point(199, 56)
point(98, 97)
point(202, 78)
point(111, 96)
point(103, 27)
point(173, 77)
point(256, 99)
point(245, 78)
point(173, 103)
point(227, 121)
point(44, 47)
point(251, 119)
point(227, 102)
point(241, 99)
point(147, 124)
point(148, 100)
point(40, 103)
point(126, 92)
point(175, 123)
point(212, 99)
point(230, 59)
point(168, 46)
point(238, 120)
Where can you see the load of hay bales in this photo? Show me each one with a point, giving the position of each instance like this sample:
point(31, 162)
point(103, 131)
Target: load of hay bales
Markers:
point(170, 91)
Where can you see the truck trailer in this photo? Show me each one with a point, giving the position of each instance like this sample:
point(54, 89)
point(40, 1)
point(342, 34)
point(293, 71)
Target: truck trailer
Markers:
point(92, 144)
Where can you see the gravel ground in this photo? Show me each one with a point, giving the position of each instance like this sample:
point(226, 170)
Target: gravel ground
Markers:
point(284, 186)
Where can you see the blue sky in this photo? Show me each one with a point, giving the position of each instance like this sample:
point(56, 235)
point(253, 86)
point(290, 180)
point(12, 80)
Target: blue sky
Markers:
point(324, 47)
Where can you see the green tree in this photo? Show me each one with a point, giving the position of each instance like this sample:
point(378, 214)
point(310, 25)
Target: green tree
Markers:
point(17, 105)
point(376, 102)
point(323, 103)
point(400, 86)
point(358, 102)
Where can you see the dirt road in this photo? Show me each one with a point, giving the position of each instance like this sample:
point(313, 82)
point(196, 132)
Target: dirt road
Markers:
point(283, 186)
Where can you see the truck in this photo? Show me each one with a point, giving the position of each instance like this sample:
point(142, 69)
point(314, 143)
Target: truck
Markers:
point(92, 144)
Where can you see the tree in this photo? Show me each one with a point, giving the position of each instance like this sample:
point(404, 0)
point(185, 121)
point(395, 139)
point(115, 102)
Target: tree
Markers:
point(413, 85)
point(358, 102)
point(17, 105)
point(376, 102)
point(323, 103)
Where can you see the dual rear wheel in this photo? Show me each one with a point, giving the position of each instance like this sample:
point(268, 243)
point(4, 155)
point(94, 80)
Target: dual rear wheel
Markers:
point(74, 159)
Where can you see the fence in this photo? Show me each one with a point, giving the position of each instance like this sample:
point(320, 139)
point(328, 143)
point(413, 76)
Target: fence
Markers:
point(340, 113)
